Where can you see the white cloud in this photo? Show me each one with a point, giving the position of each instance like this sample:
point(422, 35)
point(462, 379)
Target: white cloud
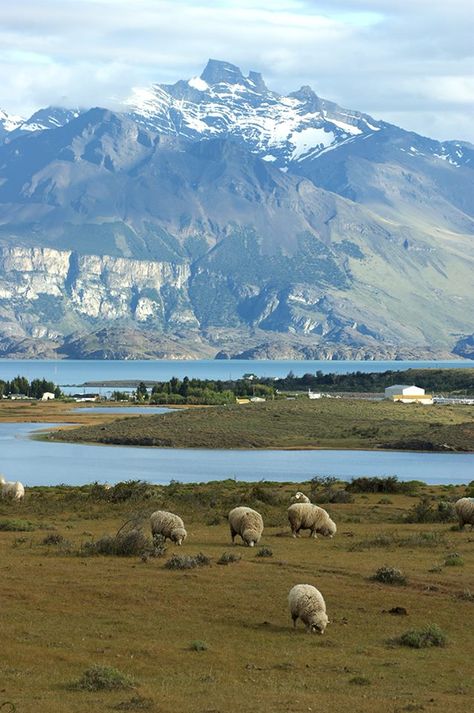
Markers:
point(394, 59)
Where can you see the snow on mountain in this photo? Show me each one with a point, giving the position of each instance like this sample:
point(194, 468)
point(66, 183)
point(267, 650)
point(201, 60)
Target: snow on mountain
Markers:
point(9, 122)
point(222, 101)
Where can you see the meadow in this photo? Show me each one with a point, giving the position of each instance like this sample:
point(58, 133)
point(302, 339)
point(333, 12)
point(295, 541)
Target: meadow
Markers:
point(212, 637)
point(299, 424)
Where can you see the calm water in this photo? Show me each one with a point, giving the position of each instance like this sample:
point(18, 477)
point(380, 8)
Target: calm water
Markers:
point(75, 372)
point(43, 463)
point(126, 410)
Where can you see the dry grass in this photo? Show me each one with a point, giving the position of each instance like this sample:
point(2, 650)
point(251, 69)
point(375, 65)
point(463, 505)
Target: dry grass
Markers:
point(62, 613)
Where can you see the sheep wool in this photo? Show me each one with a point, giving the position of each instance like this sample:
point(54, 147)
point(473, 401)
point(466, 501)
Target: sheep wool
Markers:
point(13, 490)
point(306, 516)
point(307, 603)
point(247, 523)
point(168, 525)
point(465, 512)
point(300, 497)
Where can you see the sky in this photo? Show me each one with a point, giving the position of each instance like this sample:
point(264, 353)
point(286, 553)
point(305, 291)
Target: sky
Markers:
point(409, 62)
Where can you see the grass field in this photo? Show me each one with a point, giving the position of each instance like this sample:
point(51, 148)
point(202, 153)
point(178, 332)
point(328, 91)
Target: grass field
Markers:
point(302, 423)
point(219, 637)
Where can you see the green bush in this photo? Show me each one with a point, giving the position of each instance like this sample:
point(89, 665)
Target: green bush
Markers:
point(133, 543)
point(360, 681)
point(454, 560)
point(16, 526)
point(228, 557)
point(54, 539)
point(430, 635)
point(424, 511)
point(198, 646)
point(390, 484)
point(264, 552)
point(103, 678)
point(389, 575)
point(187, 561)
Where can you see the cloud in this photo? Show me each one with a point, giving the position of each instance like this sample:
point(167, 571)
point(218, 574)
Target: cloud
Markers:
point(393, 59)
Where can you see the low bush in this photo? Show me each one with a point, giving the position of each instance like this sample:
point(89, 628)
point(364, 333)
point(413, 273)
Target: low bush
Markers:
point(325, 490)
point(264, 552)
point(228, 557)
point(360, 681)
point(198, 646)
point(129, 490)
point(54, 539)
point(454, 560)
point(136, 703)
point(430, 635)
point(187, 561)
point(16, 526)
point(392, 539)
point(389, 575)
point(425, 511)
point(133, 543)
point(103, 678)
point(466, 595)
point(390, 484)
point(385, 501)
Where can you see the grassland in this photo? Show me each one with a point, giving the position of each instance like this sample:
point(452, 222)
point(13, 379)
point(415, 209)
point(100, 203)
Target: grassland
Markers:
point(219, 637)
point(298, 424)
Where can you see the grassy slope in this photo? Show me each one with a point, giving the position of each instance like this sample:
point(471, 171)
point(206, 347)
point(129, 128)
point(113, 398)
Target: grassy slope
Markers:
point(324, 423)
point(61, 613)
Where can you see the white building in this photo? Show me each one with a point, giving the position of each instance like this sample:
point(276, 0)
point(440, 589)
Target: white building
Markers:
point(408, 394)
point(313, 394)
point(47, 396)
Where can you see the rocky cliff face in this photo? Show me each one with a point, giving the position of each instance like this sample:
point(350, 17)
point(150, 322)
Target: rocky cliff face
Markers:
point(43, 290)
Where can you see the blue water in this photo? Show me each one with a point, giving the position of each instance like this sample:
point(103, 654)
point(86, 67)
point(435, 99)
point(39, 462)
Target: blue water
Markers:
point(44, 463)
point(75, 372)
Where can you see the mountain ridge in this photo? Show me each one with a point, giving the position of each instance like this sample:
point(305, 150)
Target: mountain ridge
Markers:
point(362, 245)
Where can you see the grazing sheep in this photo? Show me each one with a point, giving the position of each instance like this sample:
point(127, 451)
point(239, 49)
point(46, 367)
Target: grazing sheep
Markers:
point(247, 523)
point(300, 497)
point(306, 516)
point(465, 512)
point(168, 525)
point(14, 490)
point(307, 603)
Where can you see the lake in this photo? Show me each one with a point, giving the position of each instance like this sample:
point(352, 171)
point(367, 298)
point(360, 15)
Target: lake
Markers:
point(42, 463)
point(76, 372)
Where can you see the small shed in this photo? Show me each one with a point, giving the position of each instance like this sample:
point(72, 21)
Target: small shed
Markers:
point(408, 394)
point(48, 396)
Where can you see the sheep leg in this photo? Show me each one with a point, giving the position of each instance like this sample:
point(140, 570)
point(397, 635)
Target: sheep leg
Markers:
point(294, 620)
point(232, 535)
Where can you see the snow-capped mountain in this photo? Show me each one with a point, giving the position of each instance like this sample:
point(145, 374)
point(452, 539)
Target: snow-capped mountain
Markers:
point(8, 123)
point(222, 101)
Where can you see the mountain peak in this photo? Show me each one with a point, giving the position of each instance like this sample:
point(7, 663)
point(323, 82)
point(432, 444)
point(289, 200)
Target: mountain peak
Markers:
point(217, 71)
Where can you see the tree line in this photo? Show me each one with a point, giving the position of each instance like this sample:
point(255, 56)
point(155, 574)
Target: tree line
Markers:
point(20, 386)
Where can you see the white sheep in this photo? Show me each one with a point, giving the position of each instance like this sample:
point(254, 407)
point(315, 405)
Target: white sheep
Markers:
point(465, 512)
point(306, 516)
point(168, 525)
point(300, 497)
point(13, 490)
point(247, 523)
point(307, 603)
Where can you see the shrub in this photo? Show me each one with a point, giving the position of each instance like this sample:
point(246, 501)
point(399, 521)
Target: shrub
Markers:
point(392, 539)
point(424, 511)
point(324, 490)
point(264, 552)
point(187, 561)
point(360, 681)
point(214, 520)
point(385, 501)
point(454, 560)
point(53, 539)
point(103, 678)
point(228, 557)
point(198, 646)
point(133, 543)
point(390, 484)
point(389, 575)
point(129, 490)
point(136, 703)
point(466, 595)
point(264, 494)
point(16, 526)
point(430, 635)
